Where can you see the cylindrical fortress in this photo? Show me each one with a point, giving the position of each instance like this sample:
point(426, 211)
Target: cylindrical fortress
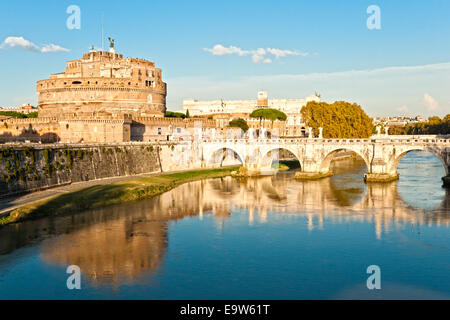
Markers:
point(103, 82)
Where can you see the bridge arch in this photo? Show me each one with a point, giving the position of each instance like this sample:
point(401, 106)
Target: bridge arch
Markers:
point(436, 153)
point(218, 155)
point(265, 153)
point(326, 162)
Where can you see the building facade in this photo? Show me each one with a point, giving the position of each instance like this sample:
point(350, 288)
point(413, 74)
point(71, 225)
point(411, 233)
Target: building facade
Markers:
point(25, 109)
point(224, 111)
point(288, 106)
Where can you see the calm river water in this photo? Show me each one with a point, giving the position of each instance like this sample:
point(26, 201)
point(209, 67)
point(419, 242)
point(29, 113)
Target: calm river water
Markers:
point(265, 238)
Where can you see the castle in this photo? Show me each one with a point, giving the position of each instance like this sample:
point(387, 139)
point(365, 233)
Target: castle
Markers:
point(103, 82)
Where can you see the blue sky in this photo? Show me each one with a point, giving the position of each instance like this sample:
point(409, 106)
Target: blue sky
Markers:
point(308, 46)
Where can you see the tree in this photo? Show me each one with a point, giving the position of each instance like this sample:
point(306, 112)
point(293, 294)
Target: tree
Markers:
point(239, 123)
point(339, 120)
point(13, 114)
point(268, 114)
point(187, 114)
point(434, 125)
point(171, 114)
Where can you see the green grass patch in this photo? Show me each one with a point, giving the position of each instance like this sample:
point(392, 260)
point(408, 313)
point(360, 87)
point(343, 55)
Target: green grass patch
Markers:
point(280, 166)
point(105, 195)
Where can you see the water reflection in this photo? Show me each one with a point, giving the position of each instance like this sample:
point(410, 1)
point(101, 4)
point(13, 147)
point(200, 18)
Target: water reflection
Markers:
point(122, 243)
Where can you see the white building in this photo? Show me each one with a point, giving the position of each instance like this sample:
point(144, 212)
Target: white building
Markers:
point(288, 106)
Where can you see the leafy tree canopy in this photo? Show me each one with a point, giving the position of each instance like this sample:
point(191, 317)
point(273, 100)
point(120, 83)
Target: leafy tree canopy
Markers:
point(269, 114)
point(14, 114)
point(171, 114)
point(239, 123)
point(434, 125)
point(339, 120)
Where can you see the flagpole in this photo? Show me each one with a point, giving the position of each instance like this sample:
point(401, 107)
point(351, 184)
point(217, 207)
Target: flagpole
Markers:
point(103, 33)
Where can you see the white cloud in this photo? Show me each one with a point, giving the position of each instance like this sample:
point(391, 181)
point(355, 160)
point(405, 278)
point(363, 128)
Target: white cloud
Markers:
point(220, 50)
point(258, 56)
point(283, 53)
point(20, 42)
point(53, 48)
point(24, 44)
point(430, 103)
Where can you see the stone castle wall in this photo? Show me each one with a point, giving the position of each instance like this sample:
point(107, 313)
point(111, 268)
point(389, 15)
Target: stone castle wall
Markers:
point(59, 97)
point(35, 167)
point(45, 130)
point(97, 129)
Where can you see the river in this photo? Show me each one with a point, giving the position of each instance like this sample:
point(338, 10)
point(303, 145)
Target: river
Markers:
point(263, 238)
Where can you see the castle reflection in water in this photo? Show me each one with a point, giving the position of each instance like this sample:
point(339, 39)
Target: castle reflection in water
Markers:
point(121, 243)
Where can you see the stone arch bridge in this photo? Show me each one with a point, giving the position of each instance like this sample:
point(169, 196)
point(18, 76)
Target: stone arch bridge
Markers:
point(381, 154)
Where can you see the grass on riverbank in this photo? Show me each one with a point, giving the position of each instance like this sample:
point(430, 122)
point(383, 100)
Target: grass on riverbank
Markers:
point(280, 166)
point(104, 195)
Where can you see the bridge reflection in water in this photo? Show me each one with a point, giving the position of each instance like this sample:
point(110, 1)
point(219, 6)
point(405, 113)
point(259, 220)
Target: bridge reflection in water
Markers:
point(122, 243)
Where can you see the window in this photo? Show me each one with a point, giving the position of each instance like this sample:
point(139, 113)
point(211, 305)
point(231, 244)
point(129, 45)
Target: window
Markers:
point(159, 131)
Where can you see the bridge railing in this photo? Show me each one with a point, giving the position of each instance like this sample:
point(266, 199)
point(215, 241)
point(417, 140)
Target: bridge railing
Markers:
point(402, 140)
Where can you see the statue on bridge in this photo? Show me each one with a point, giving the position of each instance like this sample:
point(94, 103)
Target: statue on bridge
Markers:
point(378, 130)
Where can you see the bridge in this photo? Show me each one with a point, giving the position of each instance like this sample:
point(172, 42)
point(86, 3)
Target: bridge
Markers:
point(381, 154)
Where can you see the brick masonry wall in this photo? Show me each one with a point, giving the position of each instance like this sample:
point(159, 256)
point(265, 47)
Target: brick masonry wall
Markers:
point(25, 169)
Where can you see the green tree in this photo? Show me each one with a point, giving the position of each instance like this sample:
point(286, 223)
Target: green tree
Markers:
point(14, 114)
point(239, 123)
point(171, 114)
point(187, 114)
point(268, 114)
point(339, 120)
point(434, 125)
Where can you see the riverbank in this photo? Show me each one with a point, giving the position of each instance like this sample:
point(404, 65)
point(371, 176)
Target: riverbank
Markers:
point(109, 194)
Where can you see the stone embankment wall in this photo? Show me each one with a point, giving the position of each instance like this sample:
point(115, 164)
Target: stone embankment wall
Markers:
point(26, 168)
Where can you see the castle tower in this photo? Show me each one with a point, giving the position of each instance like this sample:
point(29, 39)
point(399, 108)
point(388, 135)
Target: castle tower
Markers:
point(103, 82)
